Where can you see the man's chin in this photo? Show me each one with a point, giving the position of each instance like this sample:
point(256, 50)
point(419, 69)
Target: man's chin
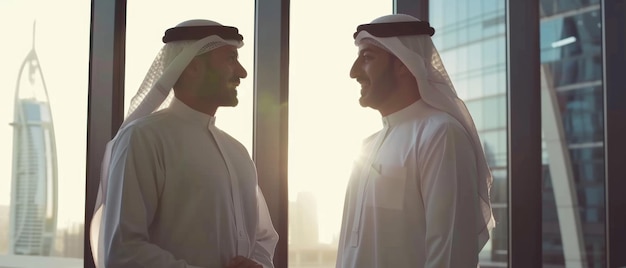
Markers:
point(364, 102)
point(231, 103)
point(233, 100)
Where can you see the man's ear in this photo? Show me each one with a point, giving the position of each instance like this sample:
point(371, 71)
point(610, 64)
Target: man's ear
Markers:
point(192, 71)
point(399, 68)
point(194, 67)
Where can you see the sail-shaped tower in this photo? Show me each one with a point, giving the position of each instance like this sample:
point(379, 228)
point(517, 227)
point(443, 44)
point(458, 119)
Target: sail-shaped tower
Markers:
point(34, 175)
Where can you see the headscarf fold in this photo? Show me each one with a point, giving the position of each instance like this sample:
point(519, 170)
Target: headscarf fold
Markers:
point(418, 53)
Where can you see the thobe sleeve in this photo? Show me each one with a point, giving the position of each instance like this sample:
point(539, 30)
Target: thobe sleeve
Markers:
point(135, 176)
point(448, 177)
point(266, 236)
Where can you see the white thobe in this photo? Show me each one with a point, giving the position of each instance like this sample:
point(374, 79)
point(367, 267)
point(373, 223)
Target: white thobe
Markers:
point(182, 193)
point(412, 199)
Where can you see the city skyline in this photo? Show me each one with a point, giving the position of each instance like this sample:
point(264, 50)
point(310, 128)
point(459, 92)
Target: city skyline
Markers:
point(68, 242)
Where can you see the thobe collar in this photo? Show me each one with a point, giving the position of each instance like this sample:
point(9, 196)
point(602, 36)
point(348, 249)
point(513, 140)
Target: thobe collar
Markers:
point(189, 114)
point(405, 114)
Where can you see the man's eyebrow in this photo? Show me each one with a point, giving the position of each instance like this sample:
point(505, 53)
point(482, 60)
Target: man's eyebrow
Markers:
point(365, 50)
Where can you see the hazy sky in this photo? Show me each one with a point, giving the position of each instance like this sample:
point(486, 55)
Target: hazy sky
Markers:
point(62, 45)
point(326, 124)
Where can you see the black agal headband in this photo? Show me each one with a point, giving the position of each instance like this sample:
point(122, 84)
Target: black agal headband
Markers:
point(199, 32)
point(390, 29)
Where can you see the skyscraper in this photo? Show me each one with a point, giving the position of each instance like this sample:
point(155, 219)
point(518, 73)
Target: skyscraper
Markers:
point(303, 221)
point(471, 37)
point(33, 212)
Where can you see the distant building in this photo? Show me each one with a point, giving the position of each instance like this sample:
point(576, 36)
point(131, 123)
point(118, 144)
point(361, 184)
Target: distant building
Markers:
point(4, 229)
point(303, 221)
point(33, 210)
point(70, 241)
point(305, 250)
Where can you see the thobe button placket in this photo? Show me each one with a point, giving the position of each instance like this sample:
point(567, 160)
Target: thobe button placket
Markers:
point(363, 178)
point(242, 241)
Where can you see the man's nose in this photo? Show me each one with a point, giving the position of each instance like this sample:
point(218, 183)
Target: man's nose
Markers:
point(355, 70)
point(241, 71)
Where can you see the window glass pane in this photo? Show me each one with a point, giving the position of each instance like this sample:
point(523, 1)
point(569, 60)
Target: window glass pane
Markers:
point(326, 122)
point(583, 114)
point(556, 7)
point(490, 79)
point(571, 46)
point(489, 52)
point(573, 195)
point(475, 58)
point(43, 126)
point(143, 42)
point(484, 95)
point(476, 109)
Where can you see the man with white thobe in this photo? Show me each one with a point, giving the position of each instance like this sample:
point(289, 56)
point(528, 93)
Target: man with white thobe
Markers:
point(177, 191)
point(418, 195)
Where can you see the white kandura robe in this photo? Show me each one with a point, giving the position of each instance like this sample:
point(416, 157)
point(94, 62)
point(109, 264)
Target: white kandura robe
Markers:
point(188, 197)
point(412, 199)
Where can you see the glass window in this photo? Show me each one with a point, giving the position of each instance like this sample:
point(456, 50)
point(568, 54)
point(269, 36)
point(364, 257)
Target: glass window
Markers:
point(489, 52)
point(555, 7)
point(582, 115)
point(490, 108)
point(43, 126)
point(461, 11)
point(484, 96)
point(326, 122)
point(490, 82)
point(501, 116)
point(476, 109)
point(143, 42)
point(490, 7)
point(572, 64)
point(475, 57)
point(572, 46)
point(450, 60)
point(474, 9)
point(450, 37)
point(475, 84)
point(461, 61)
point(436, 16)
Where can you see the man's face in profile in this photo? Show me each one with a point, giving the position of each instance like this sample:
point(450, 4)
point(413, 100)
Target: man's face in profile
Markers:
point(221, 72)
point(373, 70)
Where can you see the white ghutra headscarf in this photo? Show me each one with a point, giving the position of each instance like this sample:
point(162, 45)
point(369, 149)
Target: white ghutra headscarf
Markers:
point(182, 43)
point(409, 40)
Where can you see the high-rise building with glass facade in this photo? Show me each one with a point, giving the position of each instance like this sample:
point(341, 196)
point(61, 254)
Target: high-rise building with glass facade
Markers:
point(471, 37)
point(34, 180)
point(573, 193)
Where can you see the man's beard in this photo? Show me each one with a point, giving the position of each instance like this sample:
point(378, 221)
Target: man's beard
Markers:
point(379, 90)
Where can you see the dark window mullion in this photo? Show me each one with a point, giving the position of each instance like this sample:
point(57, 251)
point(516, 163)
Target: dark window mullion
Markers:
point(614, 35)
point(271, 91)
point(415, 8)
point(524, 130)
point(106, 95)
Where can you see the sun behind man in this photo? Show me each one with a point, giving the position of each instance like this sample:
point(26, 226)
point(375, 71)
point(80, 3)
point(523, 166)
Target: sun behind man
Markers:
point(419, 194)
